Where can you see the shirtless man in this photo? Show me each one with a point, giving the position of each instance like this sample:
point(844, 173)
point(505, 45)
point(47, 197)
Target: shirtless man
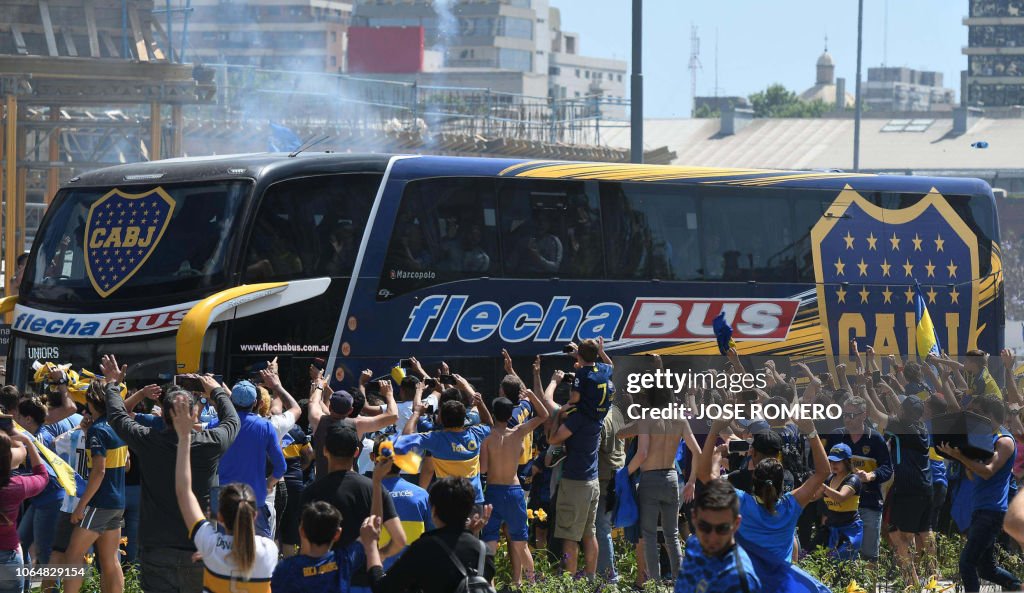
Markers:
point(499, 459)
point(658, 492)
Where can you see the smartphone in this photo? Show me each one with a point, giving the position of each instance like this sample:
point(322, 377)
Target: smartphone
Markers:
point(188, 383)
point(319, 363)
point(446, 379)
point(749, 395)
point(738, 446)
point(569, 378)
point(568, 350)
point(6, 423)
point(876, 376)
point(405, 363)
point(429, 410)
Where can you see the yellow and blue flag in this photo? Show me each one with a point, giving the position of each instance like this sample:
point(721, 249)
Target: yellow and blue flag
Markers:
point(927, 338)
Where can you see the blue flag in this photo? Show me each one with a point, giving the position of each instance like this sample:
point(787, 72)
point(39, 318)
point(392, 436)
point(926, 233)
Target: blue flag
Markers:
point(282, 139)
point(723, 333)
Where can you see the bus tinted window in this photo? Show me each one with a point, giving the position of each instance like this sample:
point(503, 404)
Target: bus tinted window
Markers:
point(130, 251)
point(651, 231)
point(550, 228)
point(310, 227)
point(747, 236)
point(445, 230)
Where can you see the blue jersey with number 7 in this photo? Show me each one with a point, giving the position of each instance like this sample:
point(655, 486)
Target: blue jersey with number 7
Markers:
point(594, 383)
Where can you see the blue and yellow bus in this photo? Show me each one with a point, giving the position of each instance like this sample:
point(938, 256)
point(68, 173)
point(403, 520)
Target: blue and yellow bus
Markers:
point(214, 264)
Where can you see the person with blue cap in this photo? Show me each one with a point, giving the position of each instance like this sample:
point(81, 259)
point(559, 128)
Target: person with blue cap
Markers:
point(842, 501)
point(246, 459)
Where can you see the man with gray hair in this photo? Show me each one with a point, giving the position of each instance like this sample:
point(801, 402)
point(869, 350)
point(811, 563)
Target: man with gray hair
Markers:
point(165, 549)
point(872, 464)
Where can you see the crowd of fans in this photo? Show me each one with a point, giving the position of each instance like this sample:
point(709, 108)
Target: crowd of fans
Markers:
point(1013, 275)
point(210, 488)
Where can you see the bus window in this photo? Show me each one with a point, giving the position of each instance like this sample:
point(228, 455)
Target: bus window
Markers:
point(808, 208)
point(444, 231)
point(310, 227)
point(188, 255)
point(747, 236)
point(651, 231)
point(550, 228)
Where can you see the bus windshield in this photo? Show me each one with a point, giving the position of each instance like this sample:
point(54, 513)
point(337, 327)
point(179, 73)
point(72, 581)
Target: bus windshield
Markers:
point(136, 242)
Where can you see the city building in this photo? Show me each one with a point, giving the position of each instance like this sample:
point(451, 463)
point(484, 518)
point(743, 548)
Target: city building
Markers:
point(826, 88)
point(995, 54)
point(906, 89)
point(576, 76)
point(306, 35)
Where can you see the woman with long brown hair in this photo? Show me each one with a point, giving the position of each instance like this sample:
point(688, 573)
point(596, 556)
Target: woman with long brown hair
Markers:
point(13, 491)
point(234, 557)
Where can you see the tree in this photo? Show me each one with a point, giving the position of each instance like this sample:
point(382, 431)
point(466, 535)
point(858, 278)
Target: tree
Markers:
point(706, 111)
point(777, 101)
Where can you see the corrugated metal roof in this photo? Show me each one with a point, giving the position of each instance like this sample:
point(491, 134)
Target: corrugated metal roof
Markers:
point(824, 143)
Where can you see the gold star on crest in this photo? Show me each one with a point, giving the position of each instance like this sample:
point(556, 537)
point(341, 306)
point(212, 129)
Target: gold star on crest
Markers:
point(841, 295)
point(887, 295)
point(908, 268)
point(909, 294)
point(872, 239)
point(954, 297)
point(863, 294)
point(917, 242)
point(840, 266)
point(931, 269)
point(931, 295)
point(849, 240)
point(938, 242)
point(863, 267)
point(895, 242)
point(885, 267)
point(952, 269)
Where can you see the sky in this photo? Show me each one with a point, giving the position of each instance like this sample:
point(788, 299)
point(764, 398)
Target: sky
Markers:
point(761, 42)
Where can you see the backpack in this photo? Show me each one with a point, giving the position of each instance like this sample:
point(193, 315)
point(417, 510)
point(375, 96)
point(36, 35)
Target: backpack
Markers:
point(473, 580)
point(794, 459)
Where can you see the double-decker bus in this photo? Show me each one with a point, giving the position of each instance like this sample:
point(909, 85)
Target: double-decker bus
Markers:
point(214, 264)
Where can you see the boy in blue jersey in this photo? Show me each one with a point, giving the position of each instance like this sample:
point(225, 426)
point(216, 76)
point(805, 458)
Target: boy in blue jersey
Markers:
point(592, 389)
point(455, 449)
point(316, 569)
point(991, 484)
point(98, 514)
point(714, 562)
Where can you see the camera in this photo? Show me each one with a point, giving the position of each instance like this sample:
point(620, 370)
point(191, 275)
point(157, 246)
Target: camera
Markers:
point(738, 446)
point(569, 378)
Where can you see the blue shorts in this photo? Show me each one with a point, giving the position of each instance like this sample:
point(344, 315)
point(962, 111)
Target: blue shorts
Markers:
point(509, 507)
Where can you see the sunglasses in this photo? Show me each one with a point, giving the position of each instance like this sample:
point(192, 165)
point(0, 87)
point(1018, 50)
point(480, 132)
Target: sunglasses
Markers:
point(720, 528)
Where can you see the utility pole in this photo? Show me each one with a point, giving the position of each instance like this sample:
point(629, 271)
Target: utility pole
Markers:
point(636, 126)
point(857, 108)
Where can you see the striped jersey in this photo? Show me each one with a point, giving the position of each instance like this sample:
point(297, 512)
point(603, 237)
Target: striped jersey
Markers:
point(103, 441)
point(70, 447)
point(220, 575)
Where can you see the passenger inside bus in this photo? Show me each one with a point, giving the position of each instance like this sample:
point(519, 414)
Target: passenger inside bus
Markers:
point(537, 249)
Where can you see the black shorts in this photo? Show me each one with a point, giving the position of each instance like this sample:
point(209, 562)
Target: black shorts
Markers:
point(62, 537)
point(910, 514)
point(288, 521)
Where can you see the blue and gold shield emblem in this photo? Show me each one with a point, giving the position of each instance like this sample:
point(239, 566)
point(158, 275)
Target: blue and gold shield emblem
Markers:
point(121, 232)
point(867, 260)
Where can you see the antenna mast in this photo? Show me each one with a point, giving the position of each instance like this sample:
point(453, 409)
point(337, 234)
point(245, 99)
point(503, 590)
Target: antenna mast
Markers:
point(694, 66)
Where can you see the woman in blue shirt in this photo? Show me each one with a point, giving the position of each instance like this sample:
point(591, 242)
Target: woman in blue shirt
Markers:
point(769, 516)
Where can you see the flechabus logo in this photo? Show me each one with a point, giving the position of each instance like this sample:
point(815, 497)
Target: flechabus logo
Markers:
point(49, 323)
point(441, 318)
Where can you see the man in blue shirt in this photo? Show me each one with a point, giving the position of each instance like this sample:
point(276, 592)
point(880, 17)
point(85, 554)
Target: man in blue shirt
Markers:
point(317, 568)
point(592, 389)
point(246, 459)
point(578, 490)
point(991, 498)
point(714, 562)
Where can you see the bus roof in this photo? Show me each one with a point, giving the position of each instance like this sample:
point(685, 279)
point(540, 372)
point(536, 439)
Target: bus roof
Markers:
point(269, 167)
